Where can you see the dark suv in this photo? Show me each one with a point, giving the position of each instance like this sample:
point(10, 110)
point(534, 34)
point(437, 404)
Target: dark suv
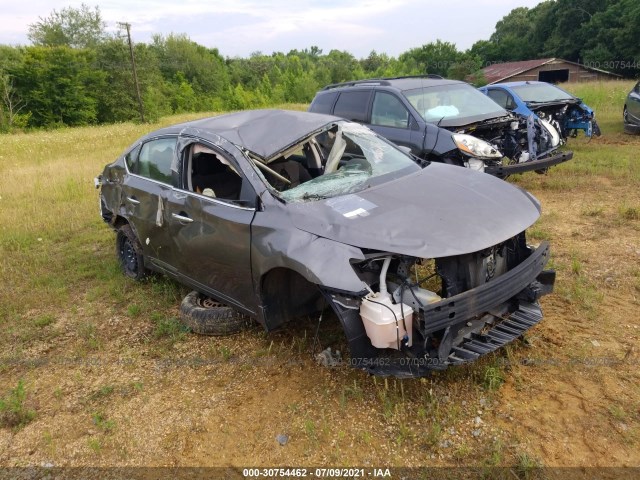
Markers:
point(447, 121)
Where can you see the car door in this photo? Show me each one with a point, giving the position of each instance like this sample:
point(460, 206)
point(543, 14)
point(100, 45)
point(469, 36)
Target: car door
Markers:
point(211, 235)
point(144, 191)
point(502, 98)
point(391, 119)
point(633, 104)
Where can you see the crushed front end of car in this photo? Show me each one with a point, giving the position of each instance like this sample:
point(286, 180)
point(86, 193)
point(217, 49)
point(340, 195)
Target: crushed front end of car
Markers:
point(484, 136)
point(568, 117)
point(565, 112)
point(429, 314)
point(428, 269)
point(521, 144)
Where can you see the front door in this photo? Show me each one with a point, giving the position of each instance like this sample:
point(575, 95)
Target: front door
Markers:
point(209, 222)
point(391, 119)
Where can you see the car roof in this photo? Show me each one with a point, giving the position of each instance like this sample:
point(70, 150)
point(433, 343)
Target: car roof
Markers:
point(402, 83)
point(518, 84)
point(263, 132)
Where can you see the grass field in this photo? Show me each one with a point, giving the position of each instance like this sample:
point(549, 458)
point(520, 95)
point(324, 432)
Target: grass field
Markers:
point(96, 369)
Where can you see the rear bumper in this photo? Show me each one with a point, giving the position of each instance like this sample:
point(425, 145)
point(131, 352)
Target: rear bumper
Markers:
point(502, 171)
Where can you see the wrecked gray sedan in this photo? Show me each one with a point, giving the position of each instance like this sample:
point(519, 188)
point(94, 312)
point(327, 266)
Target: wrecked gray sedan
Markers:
point(279, 213)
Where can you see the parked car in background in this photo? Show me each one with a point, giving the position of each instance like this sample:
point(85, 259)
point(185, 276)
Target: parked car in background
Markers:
point(445, 121)
point(631, 112)
point(566, 113)
point(278, 214)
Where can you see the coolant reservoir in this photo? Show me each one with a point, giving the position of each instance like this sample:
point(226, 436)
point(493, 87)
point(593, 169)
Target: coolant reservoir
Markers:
point(383, 320)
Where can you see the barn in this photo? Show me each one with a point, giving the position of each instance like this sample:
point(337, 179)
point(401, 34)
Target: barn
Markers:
point(552, 70)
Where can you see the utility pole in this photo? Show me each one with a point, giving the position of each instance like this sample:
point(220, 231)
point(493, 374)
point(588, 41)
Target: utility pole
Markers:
point(133, 67)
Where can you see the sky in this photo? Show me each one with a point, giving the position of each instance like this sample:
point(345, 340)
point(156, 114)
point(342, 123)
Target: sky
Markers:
point(238, 28)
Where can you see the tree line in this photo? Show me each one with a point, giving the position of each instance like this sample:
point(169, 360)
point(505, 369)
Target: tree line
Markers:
point(74, 73)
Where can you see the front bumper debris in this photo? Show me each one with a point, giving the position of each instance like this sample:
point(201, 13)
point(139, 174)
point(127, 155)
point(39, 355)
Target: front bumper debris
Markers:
point(501, 331)
point(502, 171)
point(484, 298)
point(469, 325)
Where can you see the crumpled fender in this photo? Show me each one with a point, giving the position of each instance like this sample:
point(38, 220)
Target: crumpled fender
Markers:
point(321, 261)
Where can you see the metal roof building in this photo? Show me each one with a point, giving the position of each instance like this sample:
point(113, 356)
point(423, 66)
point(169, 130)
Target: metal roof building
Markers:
point(552, 70)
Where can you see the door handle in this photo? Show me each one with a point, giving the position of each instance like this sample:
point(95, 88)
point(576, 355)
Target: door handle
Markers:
point(182, 218)
point(133, 200)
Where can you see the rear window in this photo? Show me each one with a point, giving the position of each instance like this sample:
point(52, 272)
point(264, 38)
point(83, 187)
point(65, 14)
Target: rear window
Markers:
point(323, 102)
point(353, 105)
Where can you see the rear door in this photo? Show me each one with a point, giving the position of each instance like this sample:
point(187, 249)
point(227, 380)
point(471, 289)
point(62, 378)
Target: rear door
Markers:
point(152, 176)
point(209, 224)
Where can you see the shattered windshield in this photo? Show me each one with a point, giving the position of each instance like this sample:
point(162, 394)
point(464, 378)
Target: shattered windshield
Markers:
point(452, 102)
point(353, 158)
point(541, 92)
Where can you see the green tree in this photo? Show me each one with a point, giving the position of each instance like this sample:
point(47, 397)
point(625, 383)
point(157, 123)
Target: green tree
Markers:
point(435, 57)
point(72, 27)
point(202, 68)
point(59, 86)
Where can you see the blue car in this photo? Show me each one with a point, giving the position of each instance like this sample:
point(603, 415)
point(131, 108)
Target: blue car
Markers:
point(549, 102)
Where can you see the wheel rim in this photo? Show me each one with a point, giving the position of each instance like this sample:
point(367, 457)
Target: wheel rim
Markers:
point(129, 257)
point(206, 302)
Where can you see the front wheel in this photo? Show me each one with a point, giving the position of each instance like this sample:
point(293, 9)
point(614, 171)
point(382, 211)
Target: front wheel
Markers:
point(129, 253)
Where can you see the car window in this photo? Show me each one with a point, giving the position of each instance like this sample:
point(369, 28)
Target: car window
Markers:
point(502, 98)
point(131, 158)
point(459, 102)
point(155, 160)
point(388, 111)
point(356, 159)
point(353, 105)
point(323, 102)
point(213, 175)
point(541, 92)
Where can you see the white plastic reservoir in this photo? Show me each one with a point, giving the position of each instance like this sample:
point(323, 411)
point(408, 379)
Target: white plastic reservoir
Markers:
point(384, 323)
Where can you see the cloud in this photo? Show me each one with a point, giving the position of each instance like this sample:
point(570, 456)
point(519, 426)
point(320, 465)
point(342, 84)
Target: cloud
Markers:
point(239, 27)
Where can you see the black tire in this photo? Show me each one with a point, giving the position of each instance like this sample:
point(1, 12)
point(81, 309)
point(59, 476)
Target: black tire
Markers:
point(595, 129)
point(206, 316)
point(129, 253)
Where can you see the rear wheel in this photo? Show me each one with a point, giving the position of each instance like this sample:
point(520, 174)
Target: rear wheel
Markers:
point(207, 316)
point(129, 252)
